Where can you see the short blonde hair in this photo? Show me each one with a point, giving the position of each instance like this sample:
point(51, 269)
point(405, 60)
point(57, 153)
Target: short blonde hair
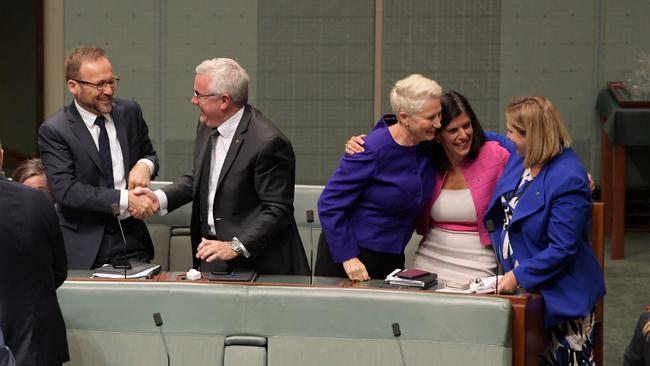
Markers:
point(409, 94)
point(537, 119)
point(227, 77)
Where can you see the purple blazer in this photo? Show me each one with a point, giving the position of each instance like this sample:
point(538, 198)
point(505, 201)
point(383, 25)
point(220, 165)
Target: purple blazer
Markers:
point(374, 197)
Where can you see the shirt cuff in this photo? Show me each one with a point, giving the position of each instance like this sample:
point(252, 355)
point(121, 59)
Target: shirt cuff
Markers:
point(124, 204)
point(162, 199)
point(149, 164)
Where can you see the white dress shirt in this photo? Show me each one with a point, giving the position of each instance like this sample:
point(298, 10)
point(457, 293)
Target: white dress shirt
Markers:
point(219, 151)
point(119, 176)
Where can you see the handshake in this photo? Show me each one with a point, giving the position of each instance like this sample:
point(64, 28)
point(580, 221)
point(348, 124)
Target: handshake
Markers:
point(143, 203)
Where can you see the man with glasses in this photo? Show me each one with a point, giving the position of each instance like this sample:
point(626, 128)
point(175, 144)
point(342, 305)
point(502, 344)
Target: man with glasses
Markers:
point(242, 184)
point(96, 150)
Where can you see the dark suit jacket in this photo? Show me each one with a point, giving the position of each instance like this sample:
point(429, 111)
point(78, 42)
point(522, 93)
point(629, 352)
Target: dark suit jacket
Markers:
point(76, 177)
point(254, 196)
point(32, 266)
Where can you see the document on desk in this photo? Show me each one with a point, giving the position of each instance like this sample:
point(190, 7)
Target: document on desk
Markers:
point(421, 279)
point(138, 270)
point(481, 285)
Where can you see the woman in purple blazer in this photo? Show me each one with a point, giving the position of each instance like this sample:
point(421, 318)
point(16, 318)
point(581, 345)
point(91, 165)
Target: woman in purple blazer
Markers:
point(368, 207)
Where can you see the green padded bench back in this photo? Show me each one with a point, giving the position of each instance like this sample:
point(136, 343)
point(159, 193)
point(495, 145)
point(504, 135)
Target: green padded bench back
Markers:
point(110, 323)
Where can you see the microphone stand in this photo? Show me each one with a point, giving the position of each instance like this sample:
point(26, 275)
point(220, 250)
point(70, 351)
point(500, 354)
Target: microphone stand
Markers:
point(489, 225)
point(123, 263)
point(310, 221)
point(397, 333)
point(157, 319)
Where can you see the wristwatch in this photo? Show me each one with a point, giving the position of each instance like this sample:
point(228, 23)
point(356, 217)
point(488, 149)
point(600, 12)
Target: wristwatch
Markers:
point(239, 248)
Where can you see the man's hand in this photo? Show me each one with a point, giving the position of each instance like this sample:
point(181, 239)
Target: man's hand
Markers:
point(209, 250)
point(139, 176)
point(141, 206)
point(146, 197)
point(508, 284)
point(356, 270)
point(355, 145)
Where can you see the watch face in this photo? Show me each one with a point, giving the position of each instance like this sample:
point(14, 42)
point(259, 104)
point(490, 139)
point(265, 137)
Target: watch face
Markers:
point(235, 246)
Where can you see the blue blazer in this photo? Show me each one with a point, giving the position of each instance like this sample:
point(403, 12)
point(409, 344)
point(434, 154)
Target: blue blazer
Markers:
point(374, 197)
point(549, 234)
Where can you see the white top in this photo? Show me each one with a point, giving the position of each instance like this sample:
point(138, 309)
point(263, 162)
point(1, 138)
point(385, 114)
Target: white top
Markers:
point(454, 205)
point(119, 176)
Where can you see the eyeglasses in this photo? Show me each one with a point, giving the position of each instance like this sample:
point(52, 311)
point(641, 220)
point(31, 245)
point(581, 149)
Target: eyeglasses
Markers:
point(102, 84)
point(201, 96)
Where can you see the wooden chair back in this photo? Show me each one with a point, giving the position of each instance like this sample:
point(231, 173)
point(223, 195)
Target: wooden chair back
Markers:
point(598, 244)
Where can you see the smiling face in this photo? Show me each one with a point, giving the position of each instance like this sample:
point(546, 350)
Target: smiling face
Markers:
point(88, 97)
point(214, 108)
point(423, 124)
point(456, 138)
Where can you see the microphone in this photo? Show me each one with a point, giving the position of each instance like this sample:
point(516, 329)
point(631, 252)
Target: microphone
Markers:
point(489, 225)
point(397, 333)
point(124, 263)
point(310, 221)
point(157, 319)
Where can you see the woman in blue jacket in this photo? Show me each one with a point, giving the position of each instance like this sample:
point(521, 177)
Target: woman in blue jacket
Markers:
point(542, 213)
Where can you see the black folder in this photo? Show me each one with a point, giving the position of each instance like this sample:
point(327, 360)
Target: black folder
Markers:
point(238, 275)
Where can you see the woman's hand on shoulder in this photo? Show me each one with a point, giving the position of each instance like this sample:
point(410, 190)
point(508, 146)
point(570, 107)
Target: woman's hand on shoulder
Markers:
point(355, 144)
point(355, 270)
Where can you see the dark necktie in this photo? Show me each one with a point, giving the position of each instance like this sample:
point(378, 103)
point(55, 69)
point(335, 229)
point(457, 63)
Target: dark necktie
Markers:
point(105, 151)
point(204, 183)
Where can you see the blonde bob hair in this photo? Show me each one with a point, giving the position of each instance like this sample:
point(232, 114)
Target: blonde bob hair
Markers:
point(409, 94)
point(537, 120)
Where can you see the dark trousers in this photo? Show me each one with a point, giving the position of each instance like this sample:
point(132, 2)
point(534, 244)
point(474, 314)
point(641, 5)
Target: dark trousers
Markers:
point(138, 243)
point(378, 264)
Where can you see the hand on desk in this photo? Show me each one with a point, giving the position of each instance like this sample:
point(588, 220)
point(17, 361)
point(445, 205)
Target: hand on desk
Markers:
point(355, 270)
point(508, 284)
point(209, 250)
point(143, 203)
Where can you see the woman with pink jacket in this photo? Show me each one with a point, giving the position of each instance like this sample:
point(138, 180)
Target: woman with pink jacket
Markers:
point(456, 244)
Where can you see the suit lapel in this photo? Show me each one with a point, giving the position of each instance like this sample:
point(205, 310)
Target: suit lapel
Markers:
point(532, 200)
point(235, 144)
point(122, 136)
point(508, 180)
point(202, 142)
point(85, 139)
